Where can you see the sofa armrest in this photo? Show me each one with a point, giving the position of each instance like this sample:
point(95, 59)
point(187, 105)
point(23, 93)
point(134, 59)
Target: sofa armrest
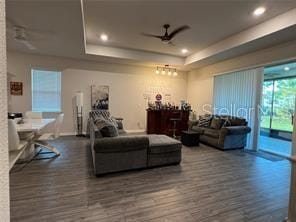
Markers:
point(120, 144)
point(233, 136)
point(235, 130)
point(192, 123)
point(198, 129)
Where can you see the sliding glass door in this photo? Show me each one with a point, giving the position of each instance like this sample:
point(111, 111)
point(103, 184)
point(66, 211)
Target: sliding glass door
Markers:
point(278, 107)
point(278, 104)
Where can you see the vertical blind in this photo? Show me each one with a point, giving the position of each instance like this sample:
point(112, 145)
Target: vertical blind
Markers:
point(46, 91)
point(239, 94)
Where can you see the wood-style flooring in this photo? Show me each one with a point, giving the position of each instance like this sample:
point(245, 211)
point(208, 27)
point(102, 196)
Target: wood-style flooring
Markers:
point(209, 185)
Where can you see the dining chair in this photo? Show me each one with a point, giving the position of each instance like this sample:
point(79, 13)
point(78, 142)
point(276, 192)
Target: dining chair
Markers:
point(33, 115)
point(15, 145)
point(14, 141)
point(42, 140)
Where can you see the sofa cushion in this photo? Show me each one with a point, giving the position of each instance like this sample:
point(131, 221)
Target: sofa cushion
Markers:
point(214, 133)
point(163, 144)
point(216, 123)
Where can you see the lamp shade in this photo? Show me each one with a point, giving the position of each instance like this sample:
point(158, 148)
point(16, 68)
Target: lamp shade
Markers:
point(79, 99)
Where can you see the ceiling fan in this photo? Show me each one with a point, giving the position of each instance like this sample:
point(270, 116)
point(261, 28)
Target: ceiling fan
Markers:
point(26, 35)
point(167, 38)
point(20, 36)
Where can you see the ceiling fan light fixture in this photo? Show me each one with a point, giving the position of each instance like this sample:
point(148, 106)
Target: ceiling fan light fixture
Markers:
point(104, 37)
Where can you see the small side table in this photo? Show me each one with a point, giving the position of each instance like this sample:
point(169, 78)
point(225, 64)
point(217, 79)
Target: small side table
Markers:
point(190, 138)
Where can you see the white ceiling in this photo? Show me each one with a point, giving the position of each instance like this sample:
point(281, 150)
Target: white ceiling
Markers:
point(210, 21)
point(58, 28)
point(279, 71)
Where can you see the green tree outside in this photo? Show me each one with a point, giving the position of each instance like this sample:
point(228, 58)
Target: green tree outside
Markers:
point(278, 103)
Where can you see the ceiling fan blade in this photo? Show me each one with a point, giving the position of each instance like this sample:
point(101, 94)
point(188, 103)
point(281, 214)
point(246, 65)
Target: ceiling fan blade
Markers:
point(178, 30)
point(12, 23)
point(151, 35)
point(28, 45)
point(171, 44)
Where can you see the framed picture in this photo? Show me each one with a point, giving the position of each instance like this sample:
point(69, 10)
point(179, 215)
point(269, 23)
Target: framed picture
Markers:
point(16, 88)
point(100, 97)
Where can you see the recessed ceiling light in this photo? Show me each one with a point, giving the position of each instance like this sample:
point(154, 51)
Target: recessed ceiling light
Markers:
point(286, 68)
point(104, 37)
point(184, 51)
point(259, 11)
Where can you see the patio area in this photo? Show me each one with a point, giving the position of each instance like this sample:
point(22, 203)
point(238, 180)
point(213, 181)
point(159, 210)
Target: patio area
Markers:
point(274, 145)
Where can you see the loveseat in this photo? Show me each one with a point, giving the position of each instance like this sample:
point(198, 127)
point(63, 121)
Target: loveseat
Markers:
point(223, 132)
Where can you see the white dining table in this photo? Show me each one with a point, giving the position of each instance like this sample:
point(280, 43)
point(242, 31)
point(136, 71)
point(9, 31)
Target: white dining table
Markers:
point(33, 125)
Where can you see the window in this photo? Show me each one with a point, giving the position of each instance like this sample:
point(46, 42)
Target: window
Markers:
point(46, 91)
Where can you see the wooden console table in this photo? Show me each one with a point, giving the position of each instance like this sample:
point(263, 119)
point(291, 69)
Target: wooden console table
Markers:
point(162, 121)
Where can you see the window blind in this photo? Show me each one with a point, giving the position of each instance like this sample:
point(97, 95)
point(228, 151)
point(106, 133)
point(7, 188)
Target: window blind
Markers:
point(238, 94)
point(46, 91)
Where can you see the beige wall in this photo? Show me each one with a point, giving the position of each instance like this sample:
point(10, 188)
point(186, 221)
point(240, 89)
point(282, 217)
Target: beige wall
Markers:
point(127, 86)
point(129, 83)
point(200, 91)
point(201, 81)
point(4, 170)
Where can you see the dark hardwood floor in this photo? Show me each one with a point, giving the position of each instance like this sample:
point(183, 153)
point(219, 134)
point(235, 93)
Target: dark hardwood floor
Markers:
point(209, 185)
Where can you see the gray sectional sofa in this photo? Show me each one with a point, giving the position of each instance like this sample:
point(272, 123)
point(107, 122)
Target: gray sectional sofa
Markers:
point(127, 152)
point(223, 132)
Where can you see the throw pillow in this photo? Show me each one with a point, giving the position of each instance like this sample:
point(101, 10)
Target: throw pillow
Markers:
point(109, 131)
point(204, 121)
point(226, 123)
point(106, 127)
point(114, 121)
point(216, 123)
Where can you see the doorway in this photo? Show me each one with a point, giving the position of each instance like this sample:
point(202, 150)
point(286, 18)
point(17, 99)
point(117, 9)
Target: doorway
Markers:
point(277, 109)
